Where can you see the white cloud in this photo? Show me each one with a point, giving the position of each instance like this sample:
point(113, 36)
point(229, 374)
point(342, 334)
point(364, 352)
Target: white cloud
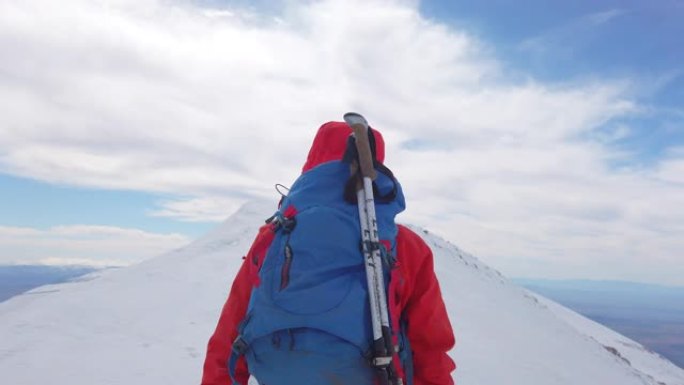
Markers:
point(83, 245)
point(218, 105)
point(205, 209)
point(603, 17)
point(672, 168)
point(563, 39)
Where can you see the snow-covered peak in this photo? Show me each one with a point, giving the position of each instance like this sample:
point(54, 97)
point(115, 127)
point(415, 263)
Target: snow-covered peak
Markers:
point(242, 224)
point(149, 323)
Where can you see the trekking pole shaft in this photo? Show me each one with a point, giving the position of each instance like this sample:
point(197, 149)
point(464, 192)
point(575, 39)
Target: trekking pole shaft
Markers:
point(371, 277)
point(382, 335)
point(377, 260)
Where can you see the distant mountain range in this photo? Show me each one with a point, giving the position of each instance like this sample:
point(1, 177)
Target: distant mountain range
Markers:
point(17, 279)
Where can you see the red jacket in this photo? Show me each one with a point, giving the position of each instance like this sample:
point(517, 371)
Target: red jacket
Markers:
point(414, 292)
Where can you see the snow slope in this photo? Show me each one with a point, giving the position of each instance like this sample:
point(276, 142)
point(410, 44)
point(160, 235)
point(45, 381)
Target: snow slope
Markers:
point(149, 323)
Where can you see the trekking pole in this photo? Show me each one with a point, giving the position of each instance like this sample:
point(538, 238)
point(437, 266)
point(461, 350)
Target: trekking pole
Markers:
point(382, 337)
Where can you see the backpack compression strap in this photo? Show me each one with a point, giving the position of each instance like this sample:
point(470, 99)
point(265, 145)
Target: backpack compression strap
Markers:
point(237, 350)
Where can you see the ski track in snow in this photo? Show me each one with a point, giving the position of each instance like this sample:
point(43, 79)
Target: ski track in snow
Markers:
point(149, 323)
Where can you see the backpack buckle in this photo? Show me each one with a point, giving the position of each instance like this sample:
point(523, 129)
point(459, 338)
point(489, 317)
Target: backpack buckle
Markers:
point(281, 221)
point(288, 224)
point(240, 346)
point(381, 362)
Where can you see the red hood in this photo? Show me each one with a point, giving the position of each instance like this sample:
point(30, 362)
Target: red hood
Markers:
point(330, 144)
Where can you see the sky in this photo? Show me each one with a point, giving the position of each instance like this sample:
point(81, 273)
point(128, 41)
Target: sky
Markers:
point(547, 138)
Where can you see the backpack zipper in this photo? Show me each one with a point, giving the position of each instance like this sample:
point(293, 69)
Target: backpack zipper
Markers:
point(285, 272)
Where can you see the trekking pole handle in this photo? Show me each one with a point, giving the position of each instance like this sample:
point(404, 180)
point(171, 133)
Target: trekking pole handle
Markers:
point(360, 127)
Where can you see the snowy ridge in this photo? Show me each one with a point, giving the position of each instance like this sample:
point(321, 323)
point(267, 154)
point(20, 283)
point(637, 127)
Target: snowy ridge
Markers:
point(642, 365)
point(149, 323)
point(451, 251)
point(642, 360)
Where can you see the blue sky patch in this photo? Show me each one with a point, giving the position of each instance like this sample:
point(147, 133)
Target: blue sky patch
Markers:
point(29, 203)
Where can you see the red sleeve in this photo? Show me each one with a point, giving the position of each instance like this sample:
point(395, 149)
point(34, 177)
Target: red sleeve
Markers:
point(429, 329)
point(220, 343)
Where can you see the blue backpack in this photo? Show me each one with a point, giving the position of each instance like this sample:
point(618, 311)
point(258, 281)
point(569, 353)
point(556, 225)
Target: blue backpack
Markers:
point(308, 321)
